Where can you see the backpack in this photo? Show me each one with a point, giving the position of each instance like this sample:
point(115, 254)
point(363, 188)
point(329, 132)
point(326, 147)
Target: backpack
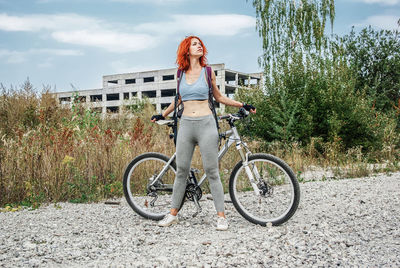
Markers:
point(179, 110)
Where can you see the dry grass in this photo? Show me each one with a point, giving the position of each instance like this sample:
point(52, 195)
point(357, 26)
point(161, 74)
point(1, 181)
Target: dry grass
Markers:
point(50, 154)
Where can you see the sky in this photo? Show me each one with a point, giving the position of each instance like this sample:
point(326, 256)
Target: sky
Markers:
point(71, 44)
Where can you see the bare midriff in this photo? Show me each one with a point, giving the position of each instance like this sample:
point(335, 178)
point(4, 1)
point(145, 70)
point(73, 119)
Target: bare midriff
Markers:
point(195, 108)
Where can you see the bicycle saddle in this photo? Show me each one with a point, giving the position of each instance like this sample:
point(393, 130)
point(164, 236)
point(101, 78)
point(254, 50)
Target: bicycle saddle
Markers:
point(169, 122)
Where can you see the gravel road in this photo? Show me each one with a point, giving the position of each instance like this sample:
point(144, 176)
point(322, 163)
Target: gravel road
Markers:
point(349, 222)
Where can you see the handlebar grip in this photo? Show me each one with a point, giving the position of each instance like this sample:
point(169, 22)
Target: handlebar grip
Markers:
point(222, 117)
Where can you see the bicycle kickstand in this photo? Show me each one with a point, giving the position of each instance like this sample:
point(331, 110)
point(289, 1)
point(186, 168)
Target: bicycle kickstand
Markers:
point(198, 208)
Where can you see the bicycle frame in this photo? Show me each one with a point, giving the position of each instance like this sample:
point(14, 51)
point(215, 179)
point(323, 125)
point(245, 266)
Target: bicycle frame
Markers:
point(232, 136)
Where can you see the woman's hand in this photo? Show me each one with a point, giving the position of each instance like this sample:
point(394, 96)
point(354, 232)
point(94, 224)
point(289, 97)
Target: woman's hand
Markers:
point(249, 107)
point(157, 117)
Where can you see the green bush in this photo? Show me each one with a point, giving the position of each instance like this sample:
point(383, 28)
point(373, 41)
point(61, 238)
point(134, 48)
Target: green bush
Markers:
point(315, 98)
point(374, 58)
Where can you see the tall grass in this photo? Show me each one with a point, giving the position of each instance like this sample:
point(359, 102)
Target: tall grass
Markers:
point(49, 153)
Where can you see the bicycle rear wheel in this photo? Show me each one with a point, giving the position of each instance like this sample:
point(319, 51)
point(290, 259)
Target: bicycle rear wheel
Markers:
point(275, 194)
point(149, 202)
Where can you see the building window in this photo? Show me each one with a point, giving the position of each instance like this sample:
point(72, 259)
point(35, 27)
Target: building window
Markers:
point(94, 98)
point(216, 73)
point(65, 100)
point(130, 81)
point(112, 109)
point(81, 99)
point(134, 94)
point(164, 105)
point(168, 92)
point(148, 79)
point(149, 94)
point(113, 97)
point(112, 82)
point(230, 92)
point(126, 95)
point(168, 77)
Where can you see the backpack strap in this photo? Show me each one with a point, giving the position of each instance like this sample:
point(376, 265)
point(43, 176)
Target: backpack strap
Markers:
point(175, 115)
point(210, 97)
point(179, 78)
point(208, 69)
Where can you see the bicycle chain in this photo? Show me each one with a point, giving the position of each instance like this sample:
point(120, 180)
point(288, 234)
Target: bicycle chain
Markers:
point(191, 191)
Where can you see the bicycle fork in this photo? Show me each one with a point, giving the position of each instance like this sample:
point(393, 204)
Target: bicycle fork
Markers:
point(249, 172)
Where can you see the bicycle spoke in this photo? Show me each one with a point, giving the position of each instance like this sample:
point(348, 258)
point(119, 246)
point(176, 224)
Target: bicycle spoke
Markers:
point(148, 197)
point(275, 197)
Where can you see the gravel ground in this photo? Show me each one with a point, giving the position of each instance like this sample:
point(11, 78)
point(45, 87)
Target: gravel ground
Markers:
point(350, 222)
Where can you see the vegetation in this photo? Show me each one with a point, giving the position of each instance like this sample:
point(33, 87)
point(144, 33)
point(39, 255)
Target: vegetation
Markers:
point(332, 103)
point(335, 90)
point(51, 153)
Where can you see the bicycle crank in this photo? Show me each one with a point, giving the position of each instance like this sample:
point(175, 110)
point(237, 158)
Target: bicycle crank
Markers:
point(193, 193)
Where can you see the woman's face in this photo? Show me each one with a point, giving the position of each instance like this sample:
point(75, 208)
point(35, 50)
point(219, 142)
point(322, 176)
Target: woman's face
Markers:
point(196, 48)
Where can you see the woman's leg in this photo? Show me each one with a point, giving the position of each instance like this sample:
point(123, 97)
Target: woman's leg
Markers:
point(184, 151)
point(208, 143)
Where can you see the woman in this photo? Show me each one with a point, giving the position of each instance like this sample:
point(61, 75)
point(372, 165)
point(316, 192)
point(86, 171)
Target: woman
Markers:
point(197, 126)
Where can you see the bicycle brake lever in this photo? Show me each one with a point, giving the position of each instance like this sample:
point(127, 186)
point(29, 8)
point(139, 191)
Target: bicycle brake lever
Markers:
point(243, 112)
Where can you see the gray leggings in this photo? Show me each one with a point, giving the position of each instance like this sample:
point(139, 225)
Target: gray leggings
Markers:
point(202, 131)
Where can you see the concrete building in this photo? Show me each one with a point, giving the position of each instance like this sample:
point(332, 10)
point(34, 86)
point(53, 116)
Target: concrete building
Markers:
point(159, 86)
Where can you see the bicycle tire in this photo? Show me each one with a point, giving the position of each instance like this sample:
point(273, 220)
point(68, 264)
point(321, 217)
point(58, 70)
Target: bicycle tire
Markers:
point(139, 202)
point(243, 195)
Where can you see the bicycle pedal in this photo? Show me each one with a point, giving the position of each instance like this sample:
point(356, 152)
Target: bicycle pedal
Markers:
point(198, 207)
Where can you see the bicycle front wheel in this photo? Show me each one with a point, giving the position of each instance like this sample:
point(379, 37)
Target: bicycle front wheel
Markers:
point(151, 200)
point(272, 196)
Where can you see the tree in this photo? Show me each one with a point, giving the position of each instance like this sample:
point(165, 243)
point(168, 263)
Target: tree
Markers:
point(290, 26)
point(374, 57)
point(309, 86)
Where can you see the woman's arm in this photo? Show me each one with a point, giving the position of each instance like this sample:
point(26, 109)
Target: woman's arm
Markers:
point(170, 108)
point(221, 98)
point(167, 111)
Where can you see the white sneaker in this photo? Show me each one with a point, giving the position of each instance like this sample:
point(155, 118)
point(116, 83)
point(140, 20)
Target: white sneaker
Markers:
point(222, 224)
point(168, 220)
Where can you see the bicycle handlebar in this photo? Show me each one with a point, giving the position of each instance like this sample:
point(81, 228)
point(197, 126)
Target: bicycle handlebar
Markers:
point(242, 113)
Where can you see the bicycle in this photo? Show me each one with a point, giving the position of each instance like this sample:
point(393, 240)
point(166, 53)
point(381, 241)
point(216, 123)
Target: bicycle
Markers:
point(262, 187)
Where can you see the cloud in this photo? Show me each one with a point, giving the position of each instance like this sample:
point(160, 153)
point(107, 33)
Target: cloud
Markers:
point(121, 38)
point(38, 22)
point(79, 30)
point(58, 52)
point(124, 66)
point(111, 41)
point(383, 2)
point(152, 2)
point(47, 1)
point(386, 22)
point(46, 63)
point(13, 56)
point(220, 25)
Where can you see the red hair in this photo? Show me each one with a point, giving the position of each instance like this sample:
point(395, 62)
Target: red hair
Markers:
point(182, 58)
